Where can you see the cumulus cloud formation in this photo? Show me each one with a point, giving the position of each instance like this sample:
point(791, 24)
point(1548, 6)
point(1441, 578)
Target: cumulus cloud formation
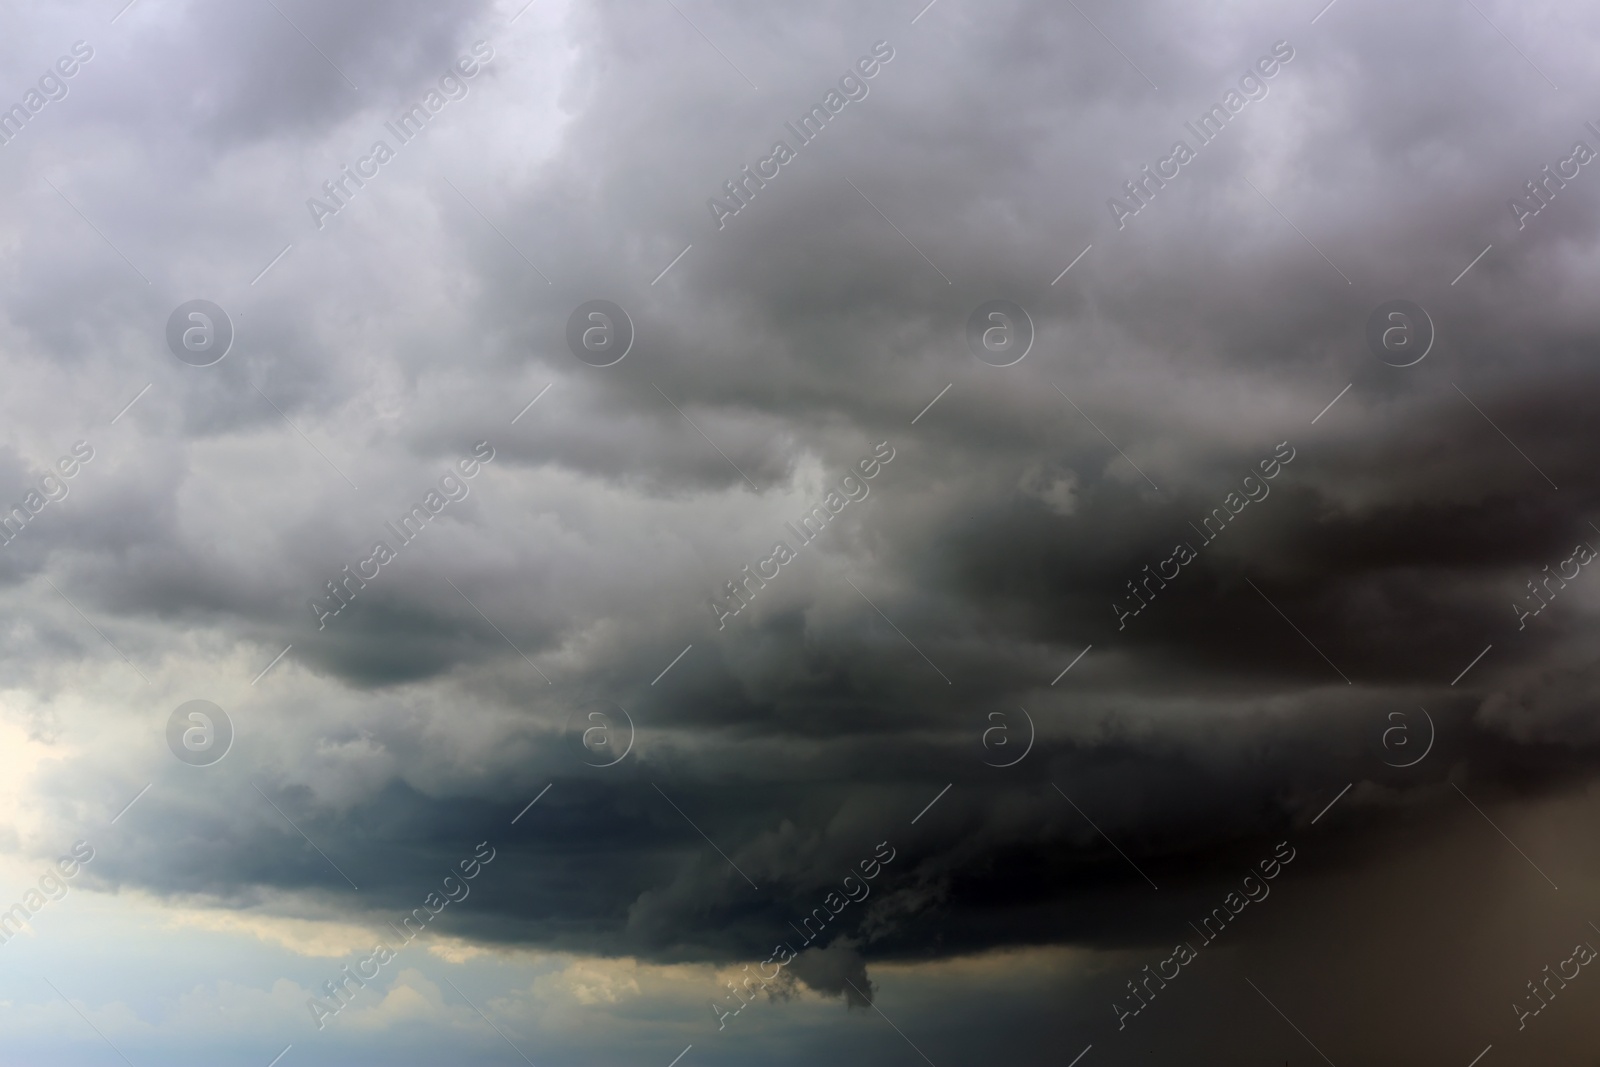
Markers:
point(942, 491)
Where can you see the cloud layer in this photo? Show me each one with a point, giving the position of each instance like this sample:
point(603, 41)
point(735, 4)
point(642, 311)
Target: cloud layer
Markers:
point(985, 662)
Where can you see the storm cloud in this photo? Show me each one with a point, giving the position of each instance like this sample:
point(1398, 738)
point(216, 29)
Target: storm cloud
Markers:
point(1074, 656)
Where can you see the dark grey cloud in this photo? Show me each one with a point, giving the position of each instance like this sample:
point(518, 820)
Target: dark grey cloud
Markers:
point(1179, 352)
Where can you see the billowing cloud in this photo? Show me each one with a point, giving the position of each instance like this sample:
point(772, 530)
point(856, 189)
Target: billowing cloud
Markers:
point(693, 640)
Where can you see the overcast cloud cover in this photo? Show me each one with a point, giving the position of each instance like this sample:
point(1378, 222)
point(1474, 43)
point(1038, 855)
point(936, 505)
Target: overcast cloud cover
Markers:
point(976, 722)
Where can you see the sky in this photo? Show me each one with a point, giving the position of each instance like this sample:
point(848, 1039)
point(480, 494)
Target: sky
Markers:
point(1012, 532)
